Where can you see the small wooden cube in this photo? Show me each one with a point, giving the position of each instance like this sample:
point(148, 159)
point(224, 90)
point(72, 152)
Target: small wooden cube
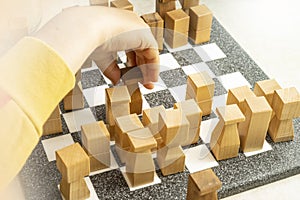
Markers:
point(122, 4)
point(95, 138)
point(177, 20)
point(141, 140)
point(173, 127)
point(189, 3)
point(72, 162)
point(200, 18)
point(238, 96)
point(199, 37)
point(75, 190)
point(266, 88)
point(286, 103)
point(171, 160)
point(253, 131)
point(203, 185)
point(200, 86)
point(163, 8)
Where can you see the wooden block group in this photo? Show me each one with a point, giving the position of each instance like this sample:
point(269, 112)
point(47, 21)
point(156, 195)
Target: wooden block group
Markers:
point(176, 28)
point(53, 124)
point(96, 143)
point(200, 23)
point(156, 23)
point(164, 6)
point(73, 164)
point(174, 129)
point(286, 105)
point(117, 101)
point(74, 99)
point(200, 87)
point(203, 185)
point(123, 125)
point(225, 141)
point(150, 120)
point(254, 129)
point(122, 4)
point(140, 167)
point(193, 113)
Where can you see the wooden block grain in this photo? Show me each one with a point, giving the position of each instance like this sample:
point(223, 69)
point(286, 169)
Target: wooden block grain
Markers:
point(141, 140)
point(163, 8)
point(199, 37)
point(122, 4)
point(189, 3)
point(205, 106)
point(230, 114)
point(175, 39)
point(281, 130)
point(200, 18)
point(76, 190)
point(177, 21)
point(52, 126)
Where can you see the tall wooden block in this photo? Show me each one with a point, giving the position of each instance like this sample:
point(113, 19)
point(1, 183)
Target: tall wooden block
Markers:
point(238, 96)
point(122, 4)
point(206, 106)
point(175, 39)
point(163, 8)
point(266, 88)
point(189, 3)
point(150, 119)
point(193, 113)
point(203, 185)
point(286, 103)
point(281, 130)
point(136, 101)
point(156, 23)
point(200, 86)
point(225, 141)
point(199, 37)
point(173, 127)
point(254, 130)
point(141, 140)
point(73, 163)
point(177, 20)
point(200, 18)
point(95, 138)
point(76, 190)
point(171, 160)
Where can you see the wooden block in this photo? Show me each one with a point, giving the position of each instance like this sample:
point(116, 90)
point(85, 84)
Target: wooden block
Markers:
point(203, 185)
point(137, 179)
point(76, 190)
point(76, 90)
point(150, 119)
point(200, 18)
point(189, 3)
point(95, 138)
point(199, 37)
point(163, 8)
point(173, 127)
point(52, 126)
point(117, 95)
point(230, 114)
point(175, 39)
point(156, 23)
point(266, 88)
point(281, 130)
point(238, 96)
point(73, 163)
point(122, 4)
point(171, 160)
point(206, 106)
point(177, 21)
point(124, 125)
point(139, 162)
point(286, 103)
point(87, 63)
point(253, 131)
point(55, 114)
point(100, 161)
point(141, 140)
point(202, 86)
point(136, 101)
point(74, 102)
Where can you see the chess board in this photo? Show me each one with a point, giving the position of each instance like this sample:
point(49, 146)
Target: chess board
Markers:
point(229, 66)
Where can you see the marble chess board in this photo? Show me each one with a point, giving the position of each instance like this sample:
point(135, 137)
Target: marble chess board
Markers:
point(229, 66)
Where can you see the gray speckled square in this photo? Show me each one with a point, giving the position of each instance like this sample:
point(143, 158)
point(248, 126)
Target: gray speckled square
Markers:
point(219, 89)
point(92, 78)
point(99, 112)
point(163, 97)
point(173, 78)
point(187, 57)
point(77, 137)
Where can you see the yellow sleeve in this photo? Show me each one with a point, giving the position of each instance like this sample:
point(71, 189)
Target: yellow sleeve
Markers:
point(35, 78)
